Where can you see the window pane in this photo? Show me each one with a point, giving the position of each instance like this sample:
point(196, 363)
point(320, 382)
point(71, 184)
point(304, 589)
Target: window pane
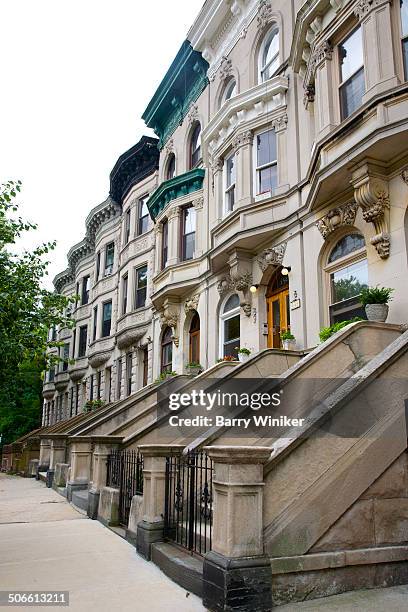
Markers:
point(351, 54)
point(171, 167)
point(189, 220)
point(349, 281)
point(231, 328)
point(347, 245)
point(143, 208)
point(404, 17)
point(405, 54)
point(142, 277)
point(231, 90)
point(189, 244)
point(270, 57)
point(346, 310)
point(232, 302)
point(266, 148)
point(107, 311)
point(268, 179)
point(351, 94)
point(230, 170)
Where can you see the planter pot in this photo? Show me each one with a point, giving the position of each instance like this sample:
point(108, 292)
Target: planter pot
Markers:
point(289, 345)
point(242, 357)
point(377, 312)
point(194, 371)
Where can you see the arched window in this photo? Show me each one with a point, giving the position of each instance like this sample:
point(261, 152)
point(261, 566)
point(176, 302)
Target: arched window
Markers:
point(230, 90)
point(171, 167)
point(194, 355)
point(347, 275)
point(230, 327)
point(269, 55)
point(167, 350)
point(195, 145)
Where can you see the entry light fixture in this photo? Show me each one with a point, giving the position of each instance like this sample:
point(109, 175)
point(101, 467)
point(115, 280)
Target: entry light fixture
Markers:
point(285, 270)
point(253, 288)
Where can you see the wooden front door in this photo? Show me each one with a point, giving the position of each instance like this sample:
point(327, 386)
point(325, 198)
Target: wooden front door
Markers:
point(278, 317)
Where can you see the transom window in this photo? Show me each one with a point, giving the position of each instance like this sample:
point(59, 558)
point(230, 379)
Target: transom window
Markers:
point(352, 80)
point(230, 327)
point(195, 146)
point(229, 199)
point(143, 221)
point(140, 287)
point(269, 55)
point(404, 31)
point(348, 274)
point(188, 228)
point(266, 162)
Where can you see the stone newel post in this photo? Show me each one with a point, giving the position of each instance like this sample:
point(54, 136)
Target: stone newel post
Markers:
point(236, 572)
point(150, 529)
point(81, 463)
point(103, 446)
point(57, 455)
point(44, 459)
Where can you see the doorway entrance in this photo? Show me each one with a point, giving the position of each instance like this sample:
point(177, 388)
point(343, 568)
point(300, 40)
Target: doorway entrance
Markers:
point(278, 308)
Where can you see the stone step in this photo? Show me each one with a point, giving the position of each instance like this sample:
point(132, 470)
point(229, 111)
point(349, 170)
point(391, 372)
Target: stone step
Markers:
point(80, 499)
point(180, 566)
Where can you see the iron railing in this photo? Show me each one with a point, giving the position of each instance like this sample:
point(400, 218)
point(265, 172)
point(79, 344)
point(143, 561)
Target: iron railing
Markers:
point(188, 501)
point(125, 472)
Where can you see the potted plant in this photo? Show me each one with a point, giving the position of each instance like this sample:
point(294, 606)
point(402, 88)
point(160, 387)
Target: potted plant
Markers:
point(288, 340)
point(164, 376)
point(243, 354)
point(327, 332)
point(194, 368)
point(375, 300)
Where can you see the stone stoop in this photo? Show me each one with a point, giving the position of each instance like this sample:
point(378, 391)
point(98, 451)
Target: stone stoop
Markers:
point(179, 565)
point(80, 499)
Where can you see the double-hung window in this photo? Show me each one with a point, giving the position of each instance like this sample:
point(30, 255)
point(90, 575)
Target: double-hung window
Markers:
point(106, 319)
point(109, 257)
point(140, 287)
point(188, 229)
point(83, 332)
point(165, 244)
point(229, 196)
point(143, 216)
point(65, 357)
point(98, 266)
point(85, 290)
point(124, 293)
point(127, 226)
point(352, 80)
point(95, 323)
point(266, 162)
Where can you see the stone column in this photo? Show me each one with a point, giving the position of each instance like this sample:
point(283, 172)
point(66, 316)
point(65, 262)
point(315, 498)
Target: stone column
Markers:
point(236, 568)
point(81, 462)
point(242, 146)
point(103, 446)
point(57, 455)
point(379, 63)
point(150, 529)
point(174, 236)
point(325, 93)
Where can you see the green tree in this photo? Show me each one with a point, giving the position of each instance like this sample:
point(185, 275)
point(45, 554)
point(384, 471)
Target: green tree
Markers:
point(27, 312)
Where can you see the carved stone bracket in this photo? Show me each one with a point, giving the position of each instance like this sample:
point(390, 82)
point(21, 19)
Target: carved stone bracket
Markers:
point(241, 140)
point(265, 13)
point(337, 217)
point(321, 53)
point(241, 285)
point(191, 303)
point(364, 7)
point(371, 194)
point(170, 318)
point(192, 114)
point(169, 146)
point(280, 123)
point(272, 257)
point(225, 69)
point(198, 203)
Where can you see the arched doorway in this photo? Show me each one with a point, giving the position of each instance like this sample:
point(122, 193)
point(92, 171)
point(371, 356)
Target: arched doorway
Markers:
point(278, 308)
point(167, 350)
point(194, 339)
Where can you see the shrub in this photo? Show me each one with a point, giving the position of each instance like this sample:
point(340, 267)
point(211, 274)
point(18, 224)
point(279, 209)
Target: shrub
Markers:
point(287, 335)
point(326, 332)
point(376, 295)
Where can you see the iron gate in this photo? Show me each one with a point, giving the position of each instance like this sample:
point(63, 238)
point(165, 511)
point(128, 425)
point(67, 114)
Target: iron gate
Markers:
point(125, 472)
point(188, 501)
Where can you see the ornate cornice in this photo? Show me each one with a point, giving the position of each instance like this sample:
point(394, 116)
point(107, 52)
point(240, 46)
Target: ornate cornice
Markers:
point(181, 185)
point(180, 88)
point(272, 256)
point(133, 166)
point(337, 217)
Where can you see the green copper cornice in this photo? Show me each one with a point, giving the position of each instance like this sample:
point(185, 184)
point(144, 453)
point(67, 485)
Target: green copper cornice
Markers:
point(186, 183)
point(182, 85)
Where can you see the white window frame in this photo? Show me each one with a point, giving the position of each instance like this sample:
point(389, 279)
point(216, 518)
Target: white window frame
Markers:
point(265, 194)
point(261, 68)
point(224, 316)
point(228, 188)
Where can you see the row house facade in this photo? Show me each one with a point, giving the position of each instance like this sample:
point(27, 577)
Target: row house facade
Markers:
point(276, 190)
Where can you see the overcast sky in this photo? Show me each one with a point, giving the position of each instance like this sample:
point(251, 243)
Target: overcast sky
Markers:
point(75, 78)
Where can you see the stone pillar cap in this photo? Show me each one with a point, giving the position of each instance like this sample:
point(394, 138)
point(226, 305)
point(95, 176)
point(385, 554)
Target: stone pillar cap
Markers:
point(239, 454)
point(161, 450)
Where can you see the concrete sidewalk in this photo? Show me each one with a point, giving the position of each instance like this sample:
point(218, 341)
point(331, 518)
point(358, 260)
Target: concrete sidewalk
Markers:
point(45, 544)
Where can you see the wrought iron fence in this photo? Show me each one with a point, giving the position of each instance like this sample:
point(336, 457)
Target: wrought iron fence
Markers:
point(188, 501)
point(125, 472)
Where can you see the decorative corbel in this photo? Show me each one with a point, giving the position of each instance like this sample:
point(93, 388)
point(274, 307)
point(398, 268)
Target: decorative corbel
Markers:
point(337, 217)
point(170, 318)
point(371, 194)
point(272, 256)
point(191, 303)
point(265, 13)
point(225, 69)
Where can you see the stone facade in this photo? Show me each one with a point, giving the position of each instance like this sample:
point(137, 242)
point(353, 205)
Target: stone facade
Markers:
point(316, 178)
